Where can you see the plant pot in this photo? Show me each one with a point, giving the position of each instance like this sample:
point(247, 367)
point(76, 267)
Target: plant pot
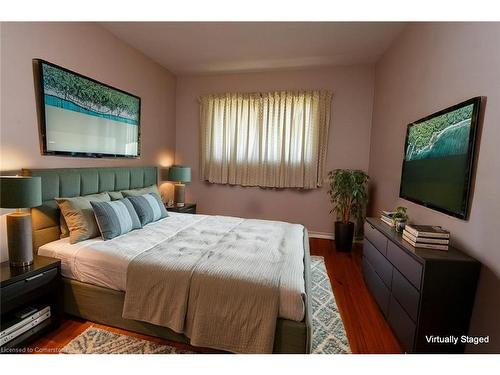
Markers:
point(399, 225)
point(344, 234)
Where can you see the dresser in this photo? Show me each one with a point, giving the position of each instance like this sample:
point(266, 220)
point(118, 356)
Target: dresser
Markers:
point(421, 292)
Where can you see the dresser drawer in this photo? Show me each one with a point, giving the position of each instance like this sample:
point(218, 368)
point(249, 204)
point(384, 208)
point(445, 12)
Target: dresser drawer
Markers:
point(410, 268)
point(402, 325)
point(406, 294)
point(11, 291)
point(376, 286)
point(376, 238)
point(379, 263)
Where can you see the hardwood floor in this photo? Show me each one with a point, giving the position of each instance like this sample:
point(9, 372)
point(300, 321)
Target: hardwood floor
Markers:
point(365, 326)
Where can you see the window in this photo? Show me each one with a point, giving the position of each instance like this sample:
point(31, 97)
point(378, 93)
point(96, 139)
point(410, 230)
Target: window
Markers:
point(276, 139)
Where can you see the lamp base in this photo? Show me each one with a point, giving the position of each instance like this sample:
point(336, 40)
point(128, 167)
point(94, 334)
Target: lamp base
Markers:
point(19, 239)
point(20, 264)
point(179, 194)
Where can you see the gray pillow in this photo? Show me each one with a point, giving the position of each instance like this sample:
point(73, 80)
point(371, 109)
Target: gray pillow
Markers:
point(79, 216)
point(149, 207)
point(115, 218)
point(141, 191)
point(115, 195)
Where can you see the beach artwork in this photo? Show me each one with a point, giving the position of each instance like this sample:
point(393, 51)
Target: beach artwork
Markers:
point(437, 160)
point(84, 116)
point(441, 136)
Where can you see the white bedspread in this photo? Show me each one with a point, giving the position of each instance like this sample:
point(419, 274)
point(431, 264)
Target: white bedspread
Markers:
point(105, 263)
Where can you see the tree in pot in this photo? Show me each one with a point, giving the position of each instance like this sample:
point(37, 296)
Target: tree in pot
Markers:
point(348, 195)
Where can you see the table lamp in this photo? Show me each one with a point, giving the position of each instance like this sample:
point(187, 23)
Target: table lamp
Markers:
point(179, 174)
point(20, 192)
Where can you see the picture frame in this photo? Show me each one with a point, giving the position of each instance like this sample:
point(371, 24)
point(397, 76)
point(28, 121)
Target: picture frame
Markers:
point(111, 96)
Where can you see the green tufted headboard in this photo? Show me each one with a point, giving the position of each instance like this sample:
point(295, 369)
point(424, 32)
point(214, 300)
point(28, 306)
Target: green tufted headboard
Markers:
point(73, 182)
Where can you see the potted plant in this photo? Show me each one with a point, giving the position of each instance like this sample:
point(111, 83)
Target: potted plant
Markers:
point(400, 218)
point(348, 195)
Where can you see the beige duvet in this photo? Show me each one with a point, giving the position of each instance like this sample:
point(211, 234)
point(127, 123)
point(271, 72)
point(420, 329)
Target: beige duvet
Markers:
point(219, 280)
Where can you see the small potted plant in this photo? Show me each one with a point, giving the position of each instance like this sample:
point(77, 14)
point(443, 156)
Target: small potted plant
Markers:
point(400, 218)
point(348, 195)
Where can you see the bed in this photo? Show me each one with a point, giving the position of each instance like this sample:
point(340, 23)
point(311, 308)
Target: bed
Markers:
point(94, 280)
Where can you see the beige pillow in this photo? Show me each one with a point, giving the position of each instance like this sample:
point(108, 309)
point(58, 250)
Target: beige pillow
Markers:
point(79, 216)
point(63, 226)
point(141, 191)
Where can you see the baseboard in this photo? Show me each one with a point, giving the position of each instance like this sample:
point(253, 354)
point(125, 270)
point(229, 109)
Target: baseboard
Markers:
point(325, 235)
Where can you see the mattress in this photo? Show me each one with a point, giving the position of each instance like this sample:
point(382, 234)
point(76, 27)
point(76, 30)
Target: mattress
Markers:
point(105, 263)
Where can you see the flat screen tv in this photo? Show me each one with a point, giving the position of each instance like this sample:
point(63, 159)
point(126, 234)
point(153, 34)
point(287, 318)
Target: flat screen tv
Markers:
point(439, 157)
point(82, 117)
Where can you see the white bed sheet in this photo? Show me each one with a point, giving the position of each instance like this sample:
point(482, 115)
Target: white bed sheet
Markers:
point(104, 263)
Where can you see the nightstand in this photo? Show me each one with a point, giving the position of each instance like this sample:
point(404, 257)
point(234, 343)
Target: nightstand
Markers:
point(27, 295)
point(189, 208)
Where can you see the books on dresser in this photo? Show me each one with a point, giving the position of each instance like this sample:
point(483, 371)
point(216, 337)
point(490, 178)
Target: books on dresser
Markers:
point(429, 231)
point(387, 221)
point(427, 236)
point(386, 217)
point(439, 241)
point(425, 245)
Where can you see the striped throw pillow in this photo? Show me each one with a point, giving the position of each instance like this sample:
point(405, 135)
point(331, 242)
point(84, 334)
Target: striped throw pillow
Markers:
point(149, 207)
point(115, 218)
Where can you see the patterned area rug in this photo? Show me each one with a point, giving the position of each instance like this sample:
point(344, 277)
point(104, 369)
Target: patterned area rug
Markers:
point(329, 335)
point(99, 341)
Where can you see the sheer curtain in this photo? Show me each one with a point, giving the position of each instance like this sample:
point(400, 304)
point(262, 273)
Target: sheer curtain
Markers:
point(274, 139)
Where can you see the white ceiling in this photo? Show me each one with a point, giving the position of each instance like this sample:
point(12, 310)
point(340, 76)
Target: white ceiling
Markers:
point(215, 47)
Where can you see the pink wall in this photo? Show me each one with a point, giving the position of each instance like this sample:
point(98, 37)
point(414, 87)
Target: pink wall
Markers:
point(91, 50)
point(430, 67)
point(348, 144)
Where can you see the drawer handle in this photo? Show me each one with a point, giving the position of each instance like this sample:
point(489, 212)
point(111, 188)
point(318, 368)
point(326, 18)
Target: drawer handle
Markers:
point(33, 277)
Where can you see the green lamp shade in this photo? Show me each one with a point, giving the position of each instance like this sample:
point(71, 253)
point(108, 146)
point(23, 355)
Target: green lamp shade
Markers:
point(20, 192)
point(179, 173)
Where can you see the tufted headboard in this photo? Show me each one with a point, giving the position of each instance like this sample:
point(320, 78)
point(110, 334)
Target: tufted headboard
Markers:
point(73, 182)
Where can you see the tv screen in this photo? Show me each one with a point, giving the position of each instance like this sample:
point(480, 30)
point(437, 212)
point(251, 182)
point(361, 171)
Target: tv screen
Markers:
point(438, 159)
point(83, 117)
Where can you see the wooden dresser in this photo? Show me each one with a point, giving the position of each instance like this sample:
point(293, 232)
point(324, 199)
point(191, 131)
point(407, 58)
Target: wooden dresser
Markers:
point(421, 292)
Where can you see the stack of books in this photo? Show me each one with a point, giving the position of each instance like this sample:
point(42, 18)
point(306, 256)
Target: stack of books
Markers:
point(427, 236)
point(386, 217)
